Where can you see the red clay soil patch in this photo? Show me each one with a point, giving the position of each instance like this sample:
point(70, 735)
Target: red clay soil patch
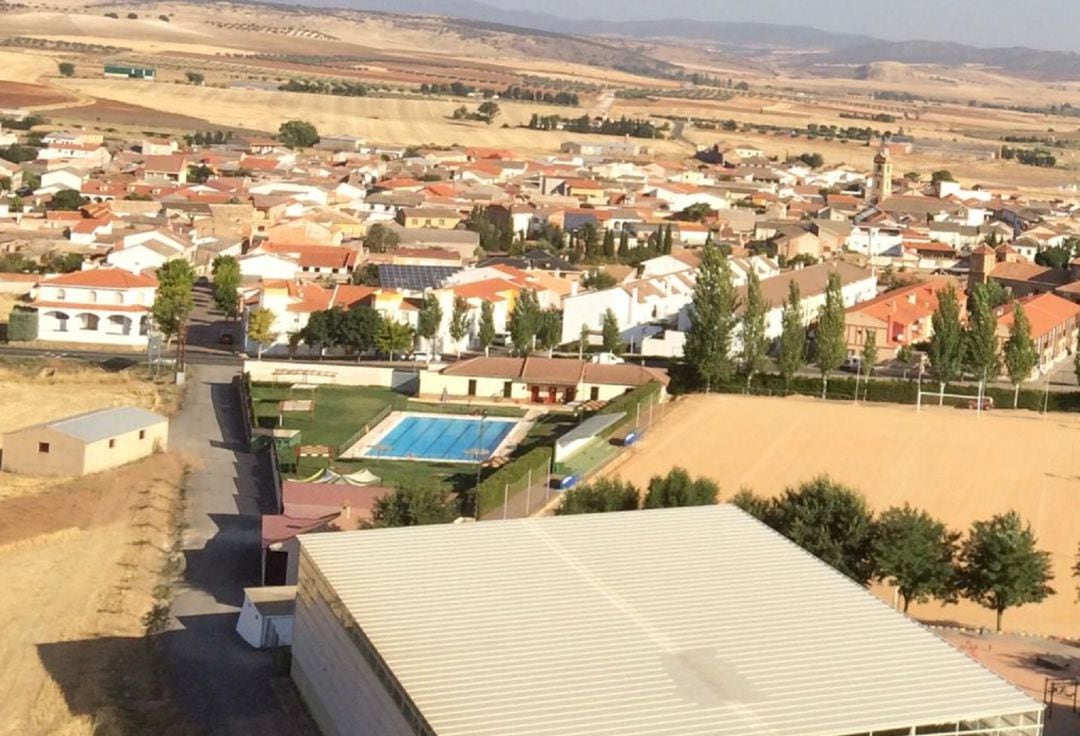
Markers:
point(120, 113)
point(20, 94)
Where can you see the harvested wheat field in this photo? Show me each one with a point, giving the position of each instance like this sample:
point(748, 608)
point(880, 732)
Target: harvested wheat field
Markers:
point(37, 392)
point(80, 567)
point(958, 467)
point(397, 121)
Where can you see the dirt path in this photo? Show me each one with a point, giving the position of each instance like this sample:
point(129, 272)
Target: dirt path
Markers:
point(958, 467)
point(78, 568)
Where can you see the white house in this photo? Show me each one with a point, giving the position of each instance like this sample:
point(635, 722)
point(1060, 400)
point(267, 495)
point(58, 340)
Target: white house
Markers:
point(149, 250)
point(680, 196)
point(641, 307)
point(104, 306)
point(269, 266)
point(60, 179)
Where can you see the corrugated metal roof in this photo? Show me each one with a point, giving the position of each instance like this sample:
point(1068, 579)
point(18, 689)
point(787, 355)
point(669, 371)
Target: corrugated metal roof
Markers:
point(105, 423)
point(675, 622)
point(589, 428)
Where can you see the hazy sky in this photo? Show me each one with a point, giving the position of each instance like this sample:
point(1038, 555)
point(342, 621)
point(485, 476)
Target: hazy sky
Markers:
point(1048, 24)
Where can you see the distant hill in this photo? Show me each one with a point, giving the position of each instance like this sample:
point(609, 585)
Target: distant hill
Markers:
point(1018, 60)
point(828, 47)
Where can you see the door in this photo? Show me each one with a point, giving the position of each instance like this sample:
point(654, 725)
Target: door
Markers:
point(594, 393)
point(277, 567)
point(508, 389)
point(569, 395)
point(472, 387)
point(553, 395)
point(535, 390)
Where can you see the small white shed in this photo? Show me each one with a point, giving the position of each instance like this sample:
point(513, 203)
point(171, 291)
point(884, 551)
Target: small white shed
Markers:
point(266, 618)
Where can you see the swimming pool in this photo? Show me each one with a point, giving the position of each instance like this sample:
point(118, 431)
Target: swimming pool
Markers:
point(452, 439)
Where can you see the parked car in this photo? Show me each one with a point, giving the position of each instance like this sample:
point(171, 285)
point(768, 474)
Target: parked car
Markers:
point(852, 364)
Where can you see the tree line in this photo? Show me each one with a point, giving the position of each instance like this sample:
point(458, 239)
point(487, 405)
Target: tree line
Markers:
point(336, 87)
point(956, 349)
point(1029, 156)
point(624, 126)
point(727, 334)
point(208, 137)
point(997, 565)
point(512, 92)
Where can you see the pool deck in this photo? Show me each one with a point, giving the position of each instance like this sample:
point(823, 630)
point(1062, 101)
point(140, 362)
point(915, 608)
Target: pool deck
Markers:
point(373, 438)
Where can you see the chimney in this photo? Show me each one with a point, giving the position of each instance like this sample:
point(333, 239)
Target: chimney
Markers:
point(574, 289)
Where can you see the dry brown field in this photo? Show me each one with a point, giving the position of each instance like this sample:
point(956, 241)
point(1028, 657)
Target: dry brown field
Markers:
point(41, 392)
point(79, 565)
point(403, 121)
point(958, 467)
point(81, 560)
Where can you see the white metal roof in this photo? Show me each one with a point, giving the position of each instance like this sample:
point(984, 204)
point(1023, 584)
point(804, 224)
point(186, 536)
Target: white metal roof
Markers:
point(667, 623)
point(104, 423)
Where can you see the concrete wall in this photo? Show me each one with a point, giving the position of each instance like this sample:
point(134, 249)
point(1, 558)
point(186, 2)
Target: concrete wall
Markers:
point(125, 448)
point(22, 455)
point(433, 383)
point(70, 456)
point(336, 682)
point(342, 375)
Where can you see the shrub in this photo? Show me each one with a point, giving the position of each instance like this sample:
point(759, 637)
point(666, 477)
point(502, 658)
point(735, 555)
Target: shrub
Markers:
point(22, 325)
point(600, 497)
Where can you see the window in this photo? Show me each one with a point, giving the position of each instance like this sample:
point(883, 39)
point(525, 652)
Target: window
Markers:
point(142, 434)
point(60, 295)
point(43, 447)
point(112, 444)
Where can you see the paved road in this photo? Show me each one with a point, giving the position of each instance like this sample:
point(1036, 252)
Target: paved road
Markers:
point(218, 681)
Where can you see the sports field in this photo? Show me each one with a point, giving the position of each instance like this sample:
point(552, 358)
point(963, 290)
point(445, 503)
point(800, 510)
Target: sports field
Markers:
point(958, 467)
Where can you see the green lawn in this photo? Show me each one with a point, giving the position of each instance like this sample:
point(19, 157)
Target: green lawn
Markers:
point(340, 411)
point(597, 451)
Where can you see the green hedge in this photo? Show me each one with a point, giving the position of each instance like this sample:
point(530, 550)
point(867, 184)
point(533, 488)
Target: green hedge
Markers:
point(22, 325)
point(898, 391)
point(490, 493)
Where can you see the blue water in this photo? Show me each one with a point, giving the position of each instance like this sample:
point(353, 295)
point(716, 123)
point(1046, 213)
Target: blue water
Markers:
point(437, 438)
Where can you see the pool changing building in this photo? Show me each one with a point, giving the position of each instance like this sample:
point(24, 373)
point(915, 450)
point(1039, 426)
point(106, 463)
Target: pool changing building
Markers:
point(673, 622)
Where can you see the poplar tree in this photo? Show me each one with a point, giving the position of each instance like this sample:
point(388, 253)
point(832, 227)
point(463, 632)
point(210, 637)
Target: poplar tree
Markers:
point(610, 333)
point(831, 346)
point(712, 321)
point(459, 322)
point(1020, 354)
point(792, 336)
point(486, 330)
point(752, 323)
point(946, 352)
point(981, 336)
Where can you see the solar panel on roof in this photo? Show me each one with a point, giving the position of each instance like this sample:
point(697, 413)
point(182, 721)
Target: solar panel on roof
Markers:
point(415, 278)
